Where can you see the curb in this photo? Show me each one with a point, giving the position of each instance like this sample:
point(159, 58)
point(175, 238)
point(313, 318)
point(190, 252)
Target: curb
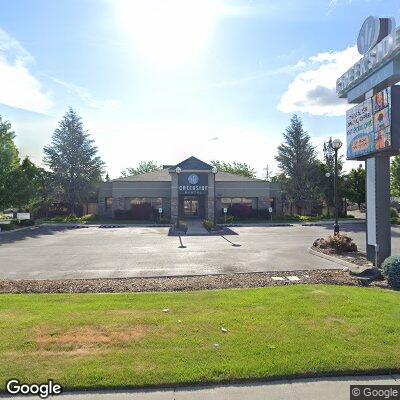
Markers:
point(336, 260)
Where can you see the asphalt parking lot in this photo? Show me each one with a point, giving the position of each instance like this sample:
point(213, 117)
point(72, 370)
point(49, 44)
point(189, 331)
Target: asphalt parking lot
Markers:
point(58, 253)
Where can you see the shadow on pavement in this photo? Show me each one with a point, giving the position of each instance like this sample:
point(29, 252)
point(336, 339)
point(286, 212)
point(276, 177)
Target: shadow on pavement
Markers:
point(33, 233)
point(233, 244)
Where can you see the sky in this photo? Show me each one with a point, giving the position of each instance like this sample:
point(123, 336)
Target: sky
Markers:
point(166, 79)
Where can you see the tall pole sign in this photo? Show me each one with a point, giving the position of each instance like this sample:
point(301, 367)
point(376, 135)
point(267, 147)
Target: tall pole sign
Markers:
point(373, 125)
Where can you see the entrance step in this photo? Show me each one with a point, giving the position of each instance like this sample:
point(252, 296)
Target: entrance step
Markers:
point(195, 228)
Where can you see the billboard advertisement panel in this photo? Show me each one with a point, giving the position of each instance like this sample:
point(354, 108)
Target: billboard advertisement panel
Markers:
point(369, 126)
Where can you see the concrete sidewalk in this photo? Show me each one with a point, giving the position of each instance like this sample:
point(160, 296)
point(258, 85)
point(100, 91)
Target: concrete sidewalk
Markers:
point(336, 388)
point(196, 228)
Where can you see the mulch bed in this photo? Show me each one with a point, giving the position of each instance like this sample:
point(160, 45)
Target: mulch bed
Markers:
point(169, 284)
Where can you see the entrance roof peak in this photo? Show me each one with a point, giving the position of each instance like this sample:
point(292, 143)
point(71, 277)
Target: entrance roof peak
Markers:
point(192, 163)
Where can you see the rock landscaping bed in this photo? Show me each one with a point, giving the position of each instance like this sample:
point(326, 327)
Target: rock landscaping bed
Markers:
point(190, 283)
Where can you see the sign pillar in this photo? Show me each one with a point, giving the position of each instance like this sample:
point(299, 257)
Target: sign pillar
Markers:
point(378, 209)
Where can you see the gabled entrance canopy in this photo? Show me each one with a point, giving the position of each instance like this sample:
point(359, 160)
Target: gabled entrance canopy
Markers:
point(192, 163)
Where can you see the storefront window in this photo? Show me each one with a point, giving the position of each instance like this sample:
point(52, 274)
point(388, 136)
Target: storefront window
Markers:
point(108, 203)
point(156, 202)
point(229, 201)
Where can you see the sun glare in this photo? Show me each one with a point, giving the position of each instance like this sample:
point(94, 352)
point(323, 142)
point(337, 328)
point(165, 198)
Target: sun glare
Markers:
point(168, 32)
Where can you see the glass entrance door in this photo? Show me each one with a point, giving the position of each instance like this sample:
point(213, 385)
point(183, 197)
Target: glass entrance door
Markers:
point(191, 206)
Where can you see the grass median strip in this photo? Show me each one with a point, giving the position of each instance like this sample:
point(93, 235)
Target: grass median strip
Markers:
point(119, 340)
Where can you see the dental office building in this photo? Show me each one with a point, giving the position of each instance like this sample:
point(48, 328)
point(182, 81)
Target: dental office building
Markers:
point(190, 189)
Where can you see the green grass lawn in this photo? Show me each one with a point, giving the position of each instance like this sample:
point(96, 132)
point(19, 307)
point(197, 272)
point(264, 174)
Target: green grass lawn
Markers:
point(113, 340)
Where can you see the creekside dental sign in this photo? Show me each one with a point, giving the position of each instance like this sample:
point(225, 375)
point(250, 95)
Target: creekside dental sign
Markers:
point(379, 42)
point(190, 183)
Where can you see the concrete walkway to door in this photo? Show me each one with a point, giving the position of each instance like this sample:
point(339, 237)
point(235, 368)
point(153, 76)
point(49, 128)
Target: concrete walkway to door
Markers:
point(196, 228)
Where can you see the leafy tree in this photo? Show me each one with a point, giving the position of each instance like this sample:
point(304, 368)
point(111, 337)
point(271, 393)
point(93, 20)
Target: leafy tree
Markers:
point(142, 168)
point(73, 159)
point(296, 159)
point(329, 167)
point(395, 177)
point(234, 167)
point(9, 163)
point(279, 178)
point(356, 185)
point(24, 183)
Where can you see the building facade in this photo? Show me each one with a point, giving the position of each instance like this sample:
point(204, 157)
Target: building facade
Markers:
point(190, 189)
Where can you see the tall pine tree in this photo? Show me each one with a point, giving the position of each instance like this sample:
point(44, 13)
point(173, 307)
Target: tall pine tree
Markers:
point(296, 159)
point(73, 159)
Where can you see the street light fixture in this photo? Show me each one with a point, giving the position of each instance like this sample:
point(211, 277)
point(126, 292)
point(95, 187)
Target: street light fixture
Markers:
point(336, 145)
point(345, 179)
point(178, 171)
point(328, 175)
point(214, 170)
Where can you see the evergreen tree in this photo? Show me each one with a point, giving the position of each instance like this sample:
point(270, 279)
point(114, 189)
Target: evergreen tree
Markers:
point(73, 159)
point(296, 159)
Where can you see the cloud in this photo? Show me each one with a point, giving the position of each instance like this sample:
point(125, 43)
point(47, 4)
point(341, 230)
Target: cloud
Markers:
point(86, 96)
point(18, 87)
point(313, 91)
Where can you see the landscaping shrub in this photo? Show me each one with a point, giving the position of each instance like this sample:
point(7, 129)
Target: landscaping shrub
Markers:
point(88, 218)
point(208, 224)
point(340, 243)
point(240, 210)
point(8, 227)
point(71, 218)
point(391, 271)
point(122, 214)
point(142, 211)
point(229, 219)
point(394, 216)
point(57, 219)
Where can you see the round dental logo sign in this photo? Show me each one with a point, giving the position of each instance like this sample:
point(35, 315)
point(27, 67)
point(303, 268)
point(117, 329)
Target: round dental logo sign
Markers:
point(369, 34)
point(193, 179)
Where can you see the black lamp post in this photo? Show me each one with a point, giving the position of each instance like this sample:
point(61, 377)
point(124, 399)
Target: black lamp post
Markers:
point(214, 171)
point(178, 171)
point(328, 175)
point(336, 145)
